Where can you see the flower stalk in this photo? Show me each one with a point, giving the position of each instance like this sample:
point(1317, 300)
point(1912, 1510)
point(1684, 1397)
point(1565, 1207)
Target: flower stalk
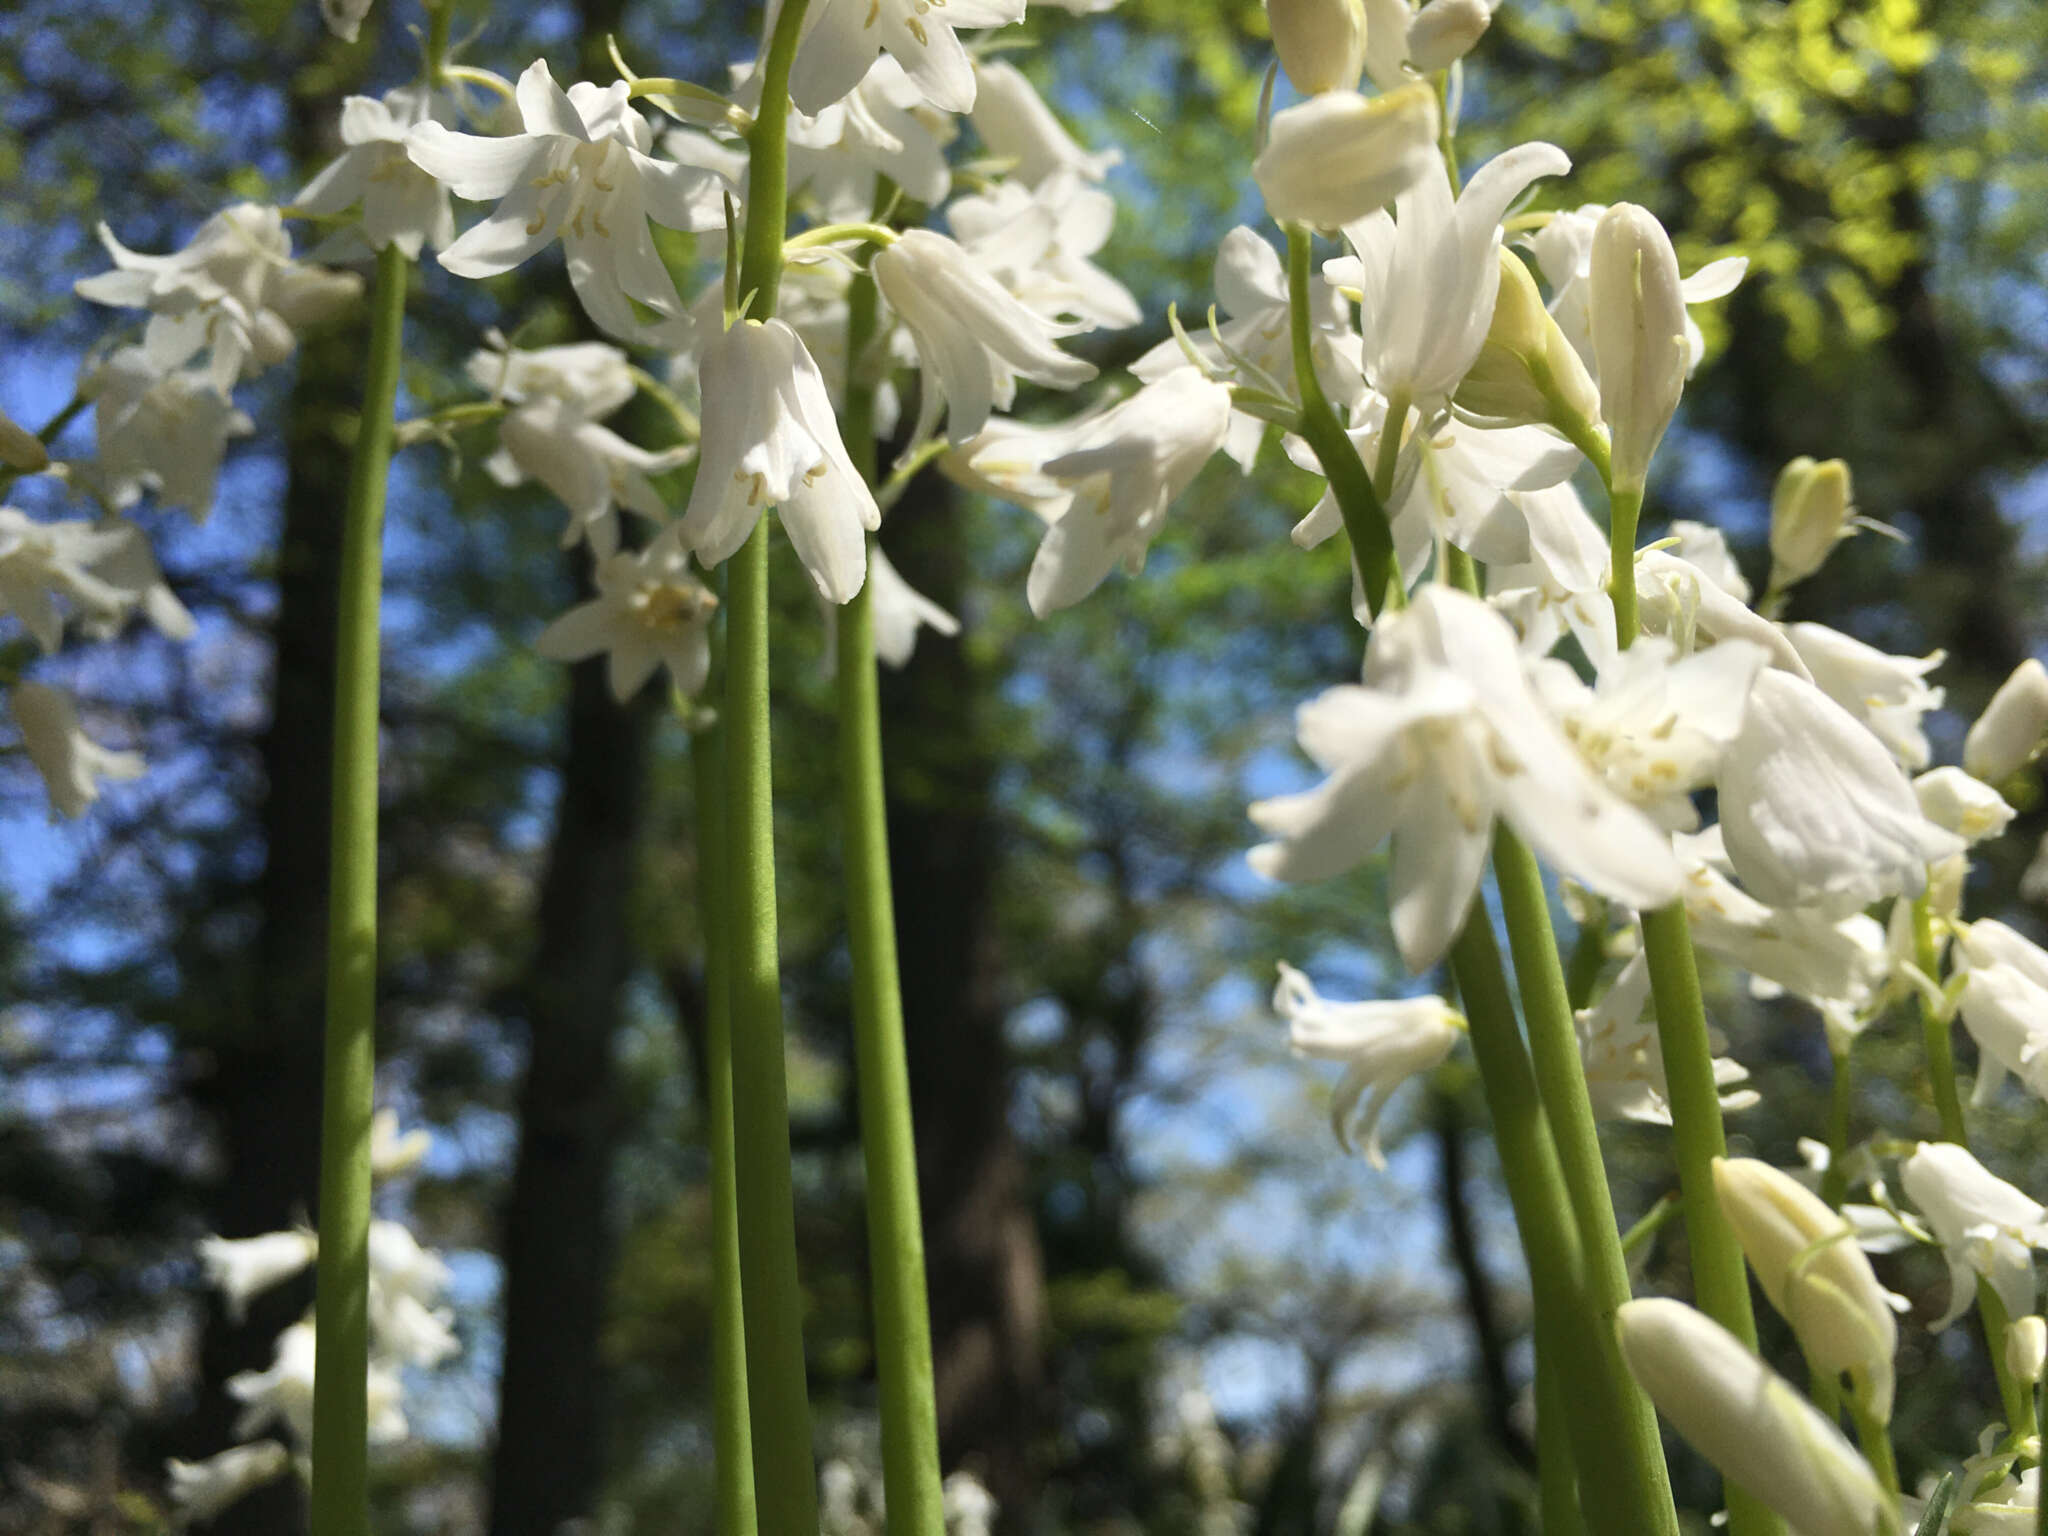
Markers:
point(778, 1406)
point(340, 1500)
point(909, 1400)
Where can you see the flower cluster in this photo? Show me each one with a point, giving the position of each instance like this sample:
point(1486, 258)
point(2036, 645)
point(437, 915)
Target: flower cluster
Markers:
point(409, 1328)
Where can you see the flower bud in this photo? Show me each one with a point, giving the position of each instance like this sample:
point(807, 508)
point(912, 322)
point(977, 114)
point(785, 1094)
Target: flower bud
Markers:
point(1444, 31)
point(1527, 371)
point(1808, 1262)
point(2026, 1349)
point(20, 448)
point(1750, 1423)
point(1810, 510)
point(1968, 807)
point(1321, 43)
point(2008, 733)
point(1639, 346)
point(1339, 156)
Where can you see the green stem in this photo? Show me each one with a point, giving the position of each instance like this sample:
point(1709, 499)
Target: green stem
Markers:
point(1557, 1479)
point(1719, 1279)
point(778, 1406)
point(1363, 510)
point(340, 1482)
point(1561, 1082)
point(1649, 1224)
point(1834, 1184)
point(1589, 955)
point(731, 1436)
point(1625, 510)
point(1621, 1494)
point(2012, 1393)
point(911, 1485)
point(1876, 1439)
point(1936, 1030)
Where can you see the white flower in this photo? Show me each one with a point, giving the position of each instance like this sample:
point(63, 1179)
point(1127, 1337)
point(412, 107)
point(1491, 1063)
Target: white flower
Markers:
point(1811, 512)
point(650, 611)
point(1381, 1044)
point(1445, 734)
point(1016, 125)
point(2004, 1005)
point(2009, 733)
point(1814, 812)
point(200, 1490)
point(770, 439)
point(580, 173)
point(1656, 725)
point(1036, 242)
point(1337, 157)
point(234, 288)
point(1124, 467)
point(130, 568)
point(1985, 1226)
point(1751, 1423)
point(41, 563)
point(1691, 605)
point(1887, 693)
point(841, 38)
point(1966, 806)
point(1251, 293)
point(970, 1509)
point(1427, 276)
point(2010, 1507)
point(344, 18)
point(242, 1269)
point(71, 763)
point(1638, 327)
point(166, 432)
point(283, 1394)
point(1807, 1261)
point(401, 1266)
point(1624, 1058)
point(404, 1328)
point(2026, 1348)
point(973, 339)
point(1321, 43)
point(392, 1154)
point(401, 204)
point(900, 611)
point(881, 128)
point(1444, 31)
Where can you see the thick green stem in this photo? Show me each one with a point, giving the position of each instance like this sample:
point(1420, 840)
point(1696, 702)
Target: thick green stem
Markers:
point(1561, 1082)
point(1834, 1184)
point(1625, 510)
point(2013, 1393)
point(1875, 1437)
point(911, 1482)
point(1363, 510)
point(778, 1406)
point(340, 1482)
point(731, 1437)
point(1557, 1480)
point(1621, 1494)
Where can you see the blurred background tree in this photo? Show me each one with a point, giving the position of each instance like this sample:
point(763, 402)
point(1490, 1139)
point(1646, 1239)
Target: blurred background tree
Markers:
point(1163, 1300)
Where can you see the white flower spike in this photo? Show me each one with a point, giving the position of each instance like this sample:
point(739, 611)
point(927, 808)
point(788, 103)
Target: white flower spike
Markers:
point(771, 440)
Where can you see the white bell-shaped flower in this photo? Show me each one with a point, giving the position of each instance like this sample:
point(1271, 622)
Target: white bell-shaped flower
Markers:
point(1966, 806)
point(71, 763)
point(842, 37)
point(1037, 241)
point(650, 611)
point(882, 127)
point(1321, 43)
point(1750, 1422)
point(242, 1269)
point(1339, 156)
point(2004, 1005)
point(974, 340)
point(2008, 735)
point(159, 431)
point(900, 611)
point(771, 440)
point(1985, 1226)
point(1624, 1057)
point(201, 1490)
point(1427, 276)
point(580, 173)
point(1445, 734)
point(1381, 1045)
point(283, 1394)
point(1016, 125)
point(49, 571)
point(1887, 693)
point(1814, 811)
point(401, 204)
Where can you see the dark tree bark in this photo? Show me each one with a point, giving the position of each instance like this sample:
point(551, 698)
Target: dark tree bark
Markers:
point(984, 1268)
point(558, 1237)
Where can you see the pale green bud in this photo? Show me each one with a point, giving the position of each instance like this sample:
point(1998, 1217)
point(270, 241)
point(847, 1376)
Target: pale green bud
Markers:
point(1750, 1422)
point(1810, 512)
point(2009, 732)
point(1639, 346)
point(20, 448)
point(1527, 371)
point(1808, 1262)
point(2026, 1349)
point(1321, 43)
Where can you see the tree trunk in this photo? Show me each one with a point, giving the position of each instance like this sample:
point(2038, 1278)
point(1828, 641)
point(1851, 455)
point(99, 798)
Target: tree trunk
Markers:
point(558, 1237)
